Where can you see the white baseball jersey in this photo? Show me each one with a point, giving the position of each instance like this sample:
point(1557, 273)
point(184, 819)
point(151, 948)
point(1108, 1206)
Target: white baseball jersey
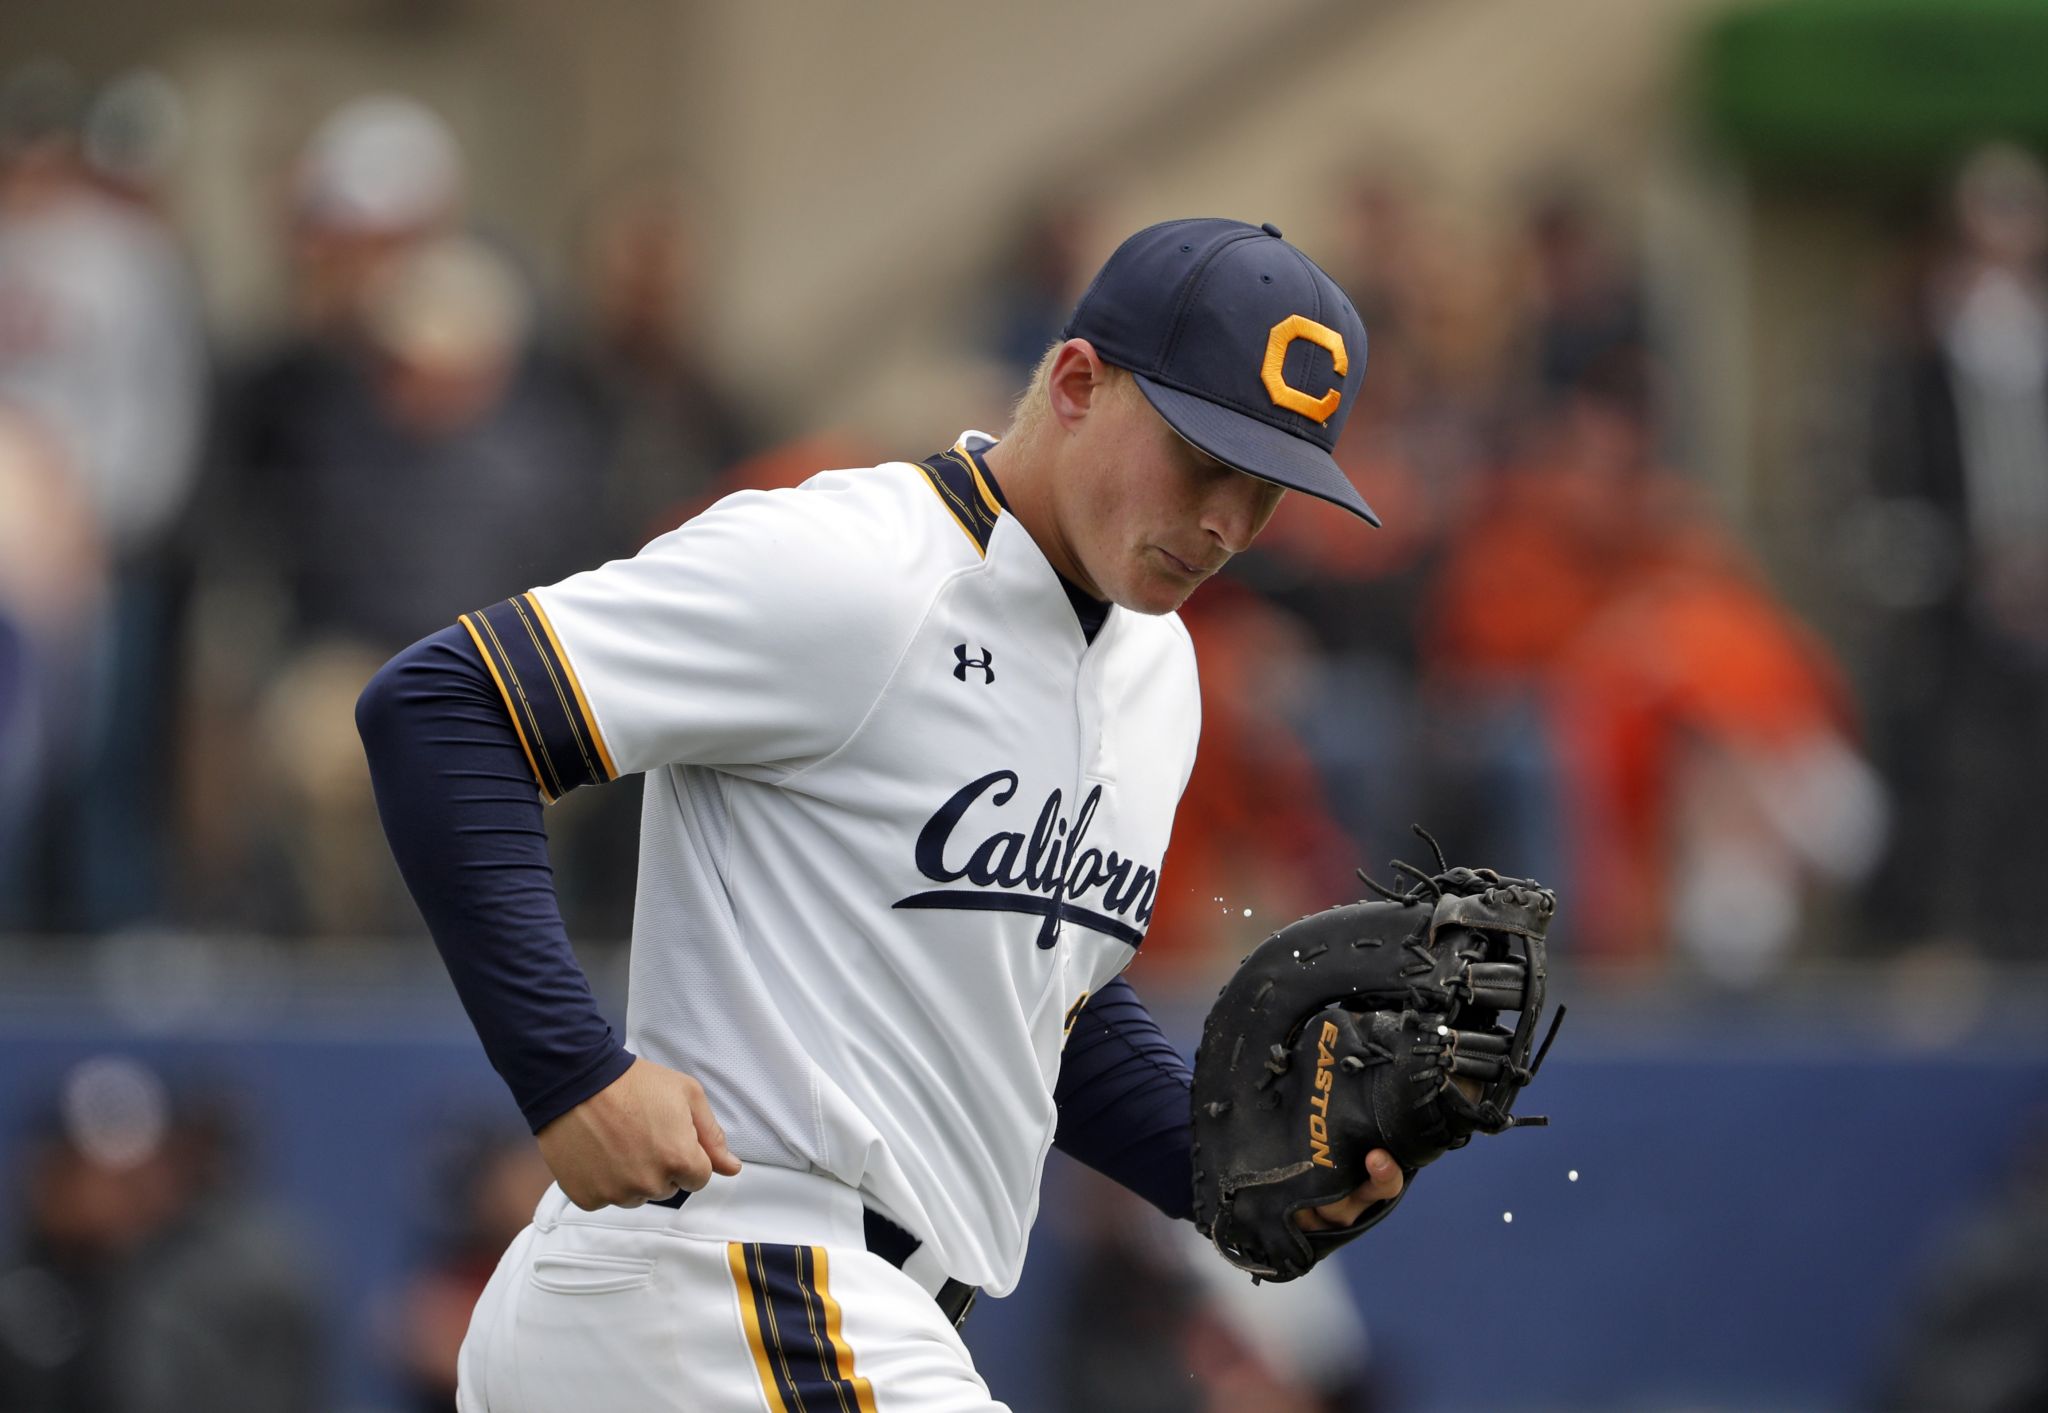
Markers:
point(901, 819)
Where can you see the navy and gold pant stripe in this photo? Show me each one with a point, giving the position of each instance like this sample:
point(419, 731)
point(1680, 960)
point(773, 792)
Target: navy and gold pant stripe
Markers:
point(792, 1325)
point(957, 478)
point(549, 711)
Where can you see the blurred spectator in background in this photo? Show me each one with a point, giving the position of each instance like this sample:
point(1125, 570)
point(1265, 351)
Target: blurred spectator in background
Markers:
point(1717, 794)
point(379, 178)
point(1540, 547)
point(1300, 1347)
point(1631, 710)
point(1121, 1338)
point(53, 584)
point(1959, 692)
point(1454, 315)
point(1584, 301)
point(445, 461)
point(147, 1280)
point(1120, 1344)
point(1153, 1322)
point(100, 339)
point(671, 425)
point(1382, 226)
point(496, 1185)
point(1254, 843)
point(95, 1190)
point(229, 1309)
point(410, 449)
point(1976, 1337)
point(1037, 282)
point(380, 175)
point(409, 453)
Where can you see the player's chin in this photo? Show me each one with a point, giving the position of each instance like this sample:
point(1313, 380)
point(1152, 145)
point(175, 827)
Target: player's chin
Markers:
point(1156, 596)
point(1159, 586)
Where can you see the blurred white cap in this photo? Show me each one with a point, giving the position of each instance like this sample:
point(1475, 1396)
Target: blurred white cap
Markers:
point(379, 163)
point(116, 1111)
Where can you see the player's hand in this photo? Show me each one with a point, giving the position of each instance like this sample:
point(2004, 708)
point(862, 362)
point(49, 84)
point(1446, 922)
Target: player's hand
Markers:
point(647, 1134)
point(1382, 1184)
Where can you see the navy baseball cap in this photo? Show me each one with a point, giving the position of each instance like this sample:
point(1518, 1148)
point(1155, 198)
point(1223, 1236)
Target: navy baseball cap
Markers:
point(1241, 343)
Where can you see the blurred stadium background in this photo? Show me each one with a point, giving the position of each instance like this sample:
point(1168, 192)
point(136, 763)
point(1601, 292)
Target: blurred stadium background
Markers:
point(1707, 408)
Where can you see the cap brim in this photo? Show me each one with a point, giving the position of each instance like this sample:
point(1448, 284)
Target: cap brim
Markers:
point(1256, 448)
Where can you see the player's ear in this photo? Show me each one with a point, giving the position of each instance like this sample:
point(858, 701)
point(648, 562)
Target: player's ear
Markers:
point(1076, 381)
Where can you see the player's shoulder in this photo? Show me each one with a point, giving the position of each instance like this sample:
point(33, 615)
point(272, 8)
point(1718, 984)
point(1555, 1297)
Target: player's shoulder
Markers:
point(885, 516)
point(844, 536)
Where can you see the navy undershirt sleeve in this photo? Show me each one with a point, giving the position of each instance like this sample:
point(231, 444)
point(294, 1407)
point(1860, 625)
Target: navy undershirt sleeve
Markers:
point(463, 816)
point(1123, 1101)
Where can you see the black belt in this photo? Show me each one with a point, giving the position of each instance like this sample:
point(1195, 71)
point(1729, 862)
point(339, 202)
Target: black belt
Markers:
point(894, 1245)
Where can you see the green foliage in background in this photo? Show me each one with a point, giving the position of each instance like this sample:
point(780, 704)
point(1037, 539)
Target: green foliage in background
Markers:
point(1874, 89)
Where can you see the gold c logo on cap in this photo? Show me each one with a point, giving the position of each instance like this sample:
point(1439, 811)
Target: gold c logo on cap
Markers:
point(1284, 393)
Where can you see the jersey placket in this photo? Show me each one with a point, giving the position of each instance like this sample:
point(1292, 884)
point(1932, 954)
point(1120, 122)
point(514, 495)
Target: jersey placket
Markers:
point(1094, 758)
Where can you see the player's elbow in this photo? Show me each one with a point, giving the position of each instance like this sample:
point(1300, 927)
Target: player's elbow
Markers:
point(409, 684)
point(438, 682)
point(379, 705)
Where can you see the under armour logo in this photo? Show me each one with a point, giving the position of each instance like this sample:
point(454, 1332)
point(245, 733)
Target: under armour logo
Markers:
point(983, 662)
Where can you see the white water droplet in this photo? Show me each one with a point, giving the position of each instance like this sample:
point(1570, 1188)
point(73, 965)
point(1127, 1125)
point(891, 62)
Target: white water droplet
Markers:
point(1507, 1216)
point(1247, 912)
point(1443, 1030)
point(1297, 954)
point(1572, 1176)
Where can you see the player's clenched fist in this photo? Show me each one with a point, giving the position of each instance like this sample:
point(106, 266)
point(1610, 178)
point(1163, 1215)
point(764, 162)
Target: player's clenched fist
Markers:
point(647, 1134)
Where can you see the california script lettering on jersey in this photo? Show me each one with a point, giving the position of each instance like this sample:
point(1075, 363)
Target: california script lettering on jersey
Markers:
point(1054, 869)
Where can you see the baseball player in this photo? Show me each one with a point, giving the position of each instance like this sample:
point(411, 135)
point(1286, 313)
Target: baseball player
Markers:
point(914, 735)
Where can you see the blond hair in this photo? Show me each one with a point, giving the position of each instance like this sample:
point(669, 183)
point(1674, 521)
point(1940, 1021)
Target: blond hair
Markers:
point(1028, 413)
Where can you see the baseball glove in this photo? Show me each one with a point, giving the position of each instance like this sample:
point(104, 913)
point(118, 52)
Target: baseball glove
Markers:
point(1378, 1024)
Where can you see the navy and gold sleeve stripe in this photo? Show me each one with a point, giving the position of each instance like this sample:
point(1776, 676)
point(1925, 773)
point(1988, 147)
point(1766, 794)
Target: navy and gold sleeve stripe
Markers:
point(552, 717)
point(793, 1329)
point(957, 478)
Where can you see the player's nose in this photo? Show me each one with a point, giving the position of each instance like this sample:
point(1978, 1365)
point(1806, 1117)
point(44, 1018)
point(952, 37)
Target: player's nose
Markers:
point(1239, 508)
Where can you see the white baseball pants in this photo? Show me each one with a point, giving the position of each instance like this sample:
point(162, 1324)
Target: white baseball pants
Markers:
point(757, 1295)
